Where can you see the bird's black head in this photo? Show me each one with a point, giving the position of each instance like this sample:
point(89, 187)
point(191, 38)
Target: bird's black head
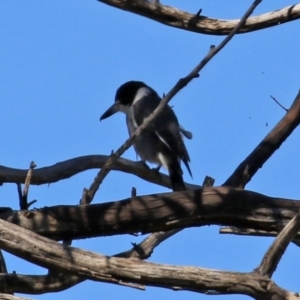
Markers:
point(128, 91)
point(126, 95)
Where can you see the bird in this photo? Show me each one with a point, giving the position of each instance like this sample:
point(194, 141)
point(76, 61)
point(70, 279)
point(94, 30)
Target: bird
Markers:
point(161, 142)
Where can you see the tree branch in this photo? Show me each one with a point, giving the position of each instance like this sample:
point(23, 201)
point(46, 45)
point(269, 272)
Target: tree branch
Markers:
point(3, 270)
point(144, 249)
point(71, 167)
point(50, 254)
point(246, 170)
point(11, 297)
point(253, 232)
point(159, 212)
point(174, 17)
point(272, 257)
point(39, 284)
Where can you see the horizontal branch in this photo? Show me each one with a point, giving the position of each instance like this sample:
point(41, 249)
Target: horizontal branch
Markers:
point(71, 167)
point(177, 18)
point(11, 297)
point(253, 232)
point(159, 212)
point(52, 255)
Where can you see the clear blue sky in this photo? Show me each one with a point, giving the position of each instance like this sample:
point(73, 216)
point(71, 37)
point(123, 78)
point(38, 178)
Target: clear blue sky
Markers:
point(61, 62)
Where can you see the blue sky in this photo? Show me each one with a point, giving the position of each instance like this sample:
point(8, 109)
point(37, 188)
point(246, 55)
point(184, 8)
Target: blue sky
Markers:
point(61, 63)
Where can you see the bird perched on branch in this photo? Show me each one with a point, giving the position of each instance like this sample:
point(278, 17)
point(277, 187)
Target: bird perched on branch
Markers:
point(161, 142)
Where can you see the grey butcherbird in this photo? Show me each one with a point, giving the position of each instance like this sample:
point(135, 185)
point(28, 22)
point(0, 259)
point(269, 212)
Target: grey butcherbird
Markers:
point(161, 142)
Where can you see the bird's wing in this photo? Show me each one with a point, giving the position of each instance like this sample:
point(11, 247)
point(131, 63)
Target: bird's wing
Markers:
point(165, 127)
point(169, 131)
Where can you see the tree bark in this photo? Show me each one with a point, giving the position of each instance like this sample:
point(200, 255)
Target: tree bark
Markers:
point(159, 212)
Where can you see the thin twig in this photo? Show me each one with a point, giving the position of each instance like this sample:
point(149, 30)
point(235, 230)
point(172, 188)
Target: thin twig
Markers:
point(178, 86)
point(278, 103)
point(19, 189)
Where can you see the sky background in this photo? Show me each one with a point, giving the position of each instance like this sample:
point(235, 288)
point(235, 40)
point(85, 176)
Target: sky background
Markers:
point(61, 63)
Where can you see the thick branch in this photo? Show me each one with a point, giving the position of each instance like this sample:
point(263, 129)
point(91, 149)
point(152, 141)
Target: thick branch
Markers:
point(50, 254)
point(246, 170)
point(174, 17)
point(160, 212)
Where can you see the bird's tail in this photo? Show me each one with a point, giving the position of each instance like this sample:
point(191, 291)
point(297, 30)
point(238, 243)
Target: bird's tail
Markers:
point(177, 181)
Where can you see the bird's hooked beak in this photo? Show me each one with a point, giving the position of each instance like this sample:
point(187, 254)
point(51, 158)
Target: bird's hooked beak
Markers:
point(112, 110)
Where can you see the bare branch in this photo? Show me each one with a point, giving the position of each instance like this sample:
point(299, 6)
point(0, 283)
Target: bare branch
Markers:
point(52, 255)
point(174, 17)
point(144, 249)
point(272, 257)
point(39, 284)
point(253, 232)
point(3, 270)
point(20, 194)
point(159, 212)
point(71, 167)
point(246, 170)
point(278, 103)
point(11, 297)
point(178, 86)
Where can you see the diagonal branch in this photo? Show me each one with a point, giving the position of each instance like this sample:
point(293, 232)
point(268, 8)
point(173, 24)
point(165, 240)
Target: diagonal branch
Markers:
point(174, 17)
point(246, 170)
point(272, 257)
point(178, 86)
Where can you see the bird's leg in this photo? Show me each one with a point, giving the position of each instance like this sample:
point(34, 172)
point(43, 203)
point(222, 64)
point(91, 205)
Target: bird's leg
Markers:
point(143, 164)
point(156, 169)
